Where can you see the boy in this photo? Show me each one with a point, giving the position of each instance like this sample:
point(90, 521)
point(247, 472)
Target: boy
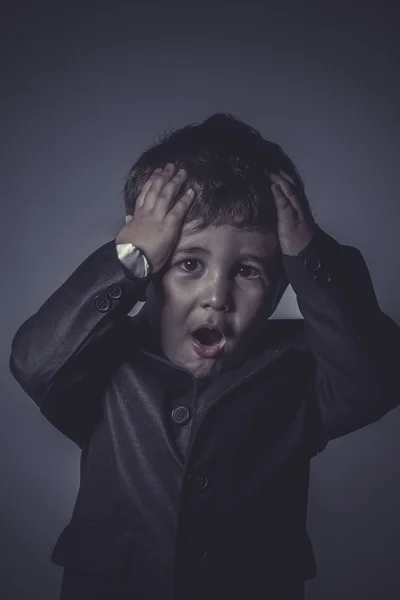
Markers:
point(197, 418)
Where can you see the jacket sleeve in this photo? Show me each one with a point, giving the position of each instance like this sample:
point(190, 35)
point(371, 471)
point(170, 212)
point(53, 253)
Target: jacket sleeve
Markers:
point(63, 354)
point(356, 346)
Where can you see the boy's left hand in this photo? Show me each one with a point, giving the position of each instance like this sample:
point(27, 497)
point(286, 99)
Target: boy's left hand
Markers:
point(296, 225)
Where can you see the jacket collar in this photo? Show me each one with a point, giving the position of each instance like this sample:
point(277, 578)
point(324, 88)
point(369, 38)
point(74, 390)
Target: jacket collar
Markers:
point(277, 338)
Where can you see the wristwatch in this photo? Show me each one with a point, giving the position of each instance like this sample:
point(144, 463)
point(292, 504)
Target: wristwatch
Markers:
point(134, 260)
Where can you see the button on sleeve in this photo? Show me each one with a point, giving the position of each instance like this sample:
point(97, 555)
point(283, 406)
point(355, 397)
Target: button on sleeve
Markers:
point(114, 292)
point(102, 303)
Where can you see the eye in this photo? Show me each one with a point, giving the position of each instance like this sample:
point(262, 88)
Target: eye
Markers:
point(192, 262)
point(256, 273)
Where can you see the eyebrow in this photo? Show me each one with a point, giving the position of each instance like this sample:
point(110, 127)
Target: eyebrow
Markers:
point(197, 249)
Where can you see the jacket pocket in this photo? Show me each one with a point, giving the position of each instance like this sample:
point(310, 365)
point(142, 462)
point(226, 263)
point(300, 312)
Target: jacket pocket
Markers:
point(92, 549)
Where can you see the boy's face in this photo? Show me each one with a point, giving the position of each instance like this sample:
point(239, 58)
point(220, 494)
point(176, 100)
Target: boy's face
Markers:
point(219, 282)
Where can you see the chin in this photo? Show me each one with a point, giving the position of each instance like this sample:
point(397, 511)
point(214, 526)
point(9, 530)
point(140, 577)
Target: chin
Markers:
point(205, 371)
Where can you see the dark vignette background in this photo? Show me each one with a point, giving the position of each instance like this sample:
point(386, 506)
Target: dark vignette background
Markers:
point(85, 88)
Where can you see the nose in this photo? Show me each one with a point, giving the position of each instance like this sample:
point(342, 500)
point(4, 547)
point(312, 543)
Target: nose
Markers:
point(217, 294)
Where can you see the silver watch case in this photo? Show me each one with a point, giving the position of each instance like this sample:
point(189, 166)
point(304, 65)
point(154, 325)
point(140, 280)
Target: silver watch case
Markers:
point(134, 260)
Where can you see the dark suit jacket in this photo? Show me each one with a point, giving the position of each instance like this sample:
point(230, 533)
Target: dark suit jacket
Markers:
point(202, 493)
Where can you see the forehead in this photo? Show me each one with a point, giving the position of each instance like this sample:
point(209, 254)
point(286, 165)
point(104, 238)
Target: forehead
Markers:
point(225, 239)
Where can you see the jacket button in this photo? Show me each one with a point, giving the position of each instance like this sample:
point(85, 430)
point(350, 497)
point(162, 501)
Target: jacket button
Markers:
point(114, 291)
point(312, 263)
point(197, 550)
point(322, 278)
point(102, 304)
point(199, 482)
point(181, 415)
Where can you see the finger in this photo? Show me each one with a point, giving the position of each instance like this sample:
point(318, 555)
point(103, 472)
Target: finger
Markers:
point(168, 195)
point(281, 200)
point(290, 195)
point(283, 178)
point(158, 185)
point(288, 177)
point(146, 186)
point(182, 205)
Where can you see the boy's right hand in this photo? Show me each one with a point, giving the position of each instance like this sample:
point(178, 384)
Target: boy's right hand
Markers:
point(157, 220)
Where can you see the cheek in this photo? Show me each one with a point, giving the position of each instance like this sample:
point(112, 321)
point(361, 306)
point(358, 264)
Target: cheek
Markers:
point(176, 304)
point(170, 293)
point(256, 301)
point(251, 312)
point(252, 295)
point(178, 293)
point(164, 293)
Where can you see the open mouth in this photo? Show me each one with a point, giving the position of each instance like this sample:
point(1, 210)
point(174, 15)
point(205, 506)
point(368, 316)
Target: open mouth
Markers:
point(207, 337)
point(208, 342)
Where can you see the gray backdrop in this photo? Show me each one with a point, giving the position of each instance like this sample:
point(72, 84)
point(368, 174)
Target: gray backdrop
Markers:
point(85, 90)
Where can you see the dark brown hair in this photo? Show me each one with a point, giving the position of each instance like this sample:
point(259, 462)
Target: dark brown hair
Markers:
point(228, 164)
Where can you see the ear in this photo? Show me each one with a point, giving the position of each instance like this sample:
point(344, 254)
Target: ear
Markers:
point(128, 218)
